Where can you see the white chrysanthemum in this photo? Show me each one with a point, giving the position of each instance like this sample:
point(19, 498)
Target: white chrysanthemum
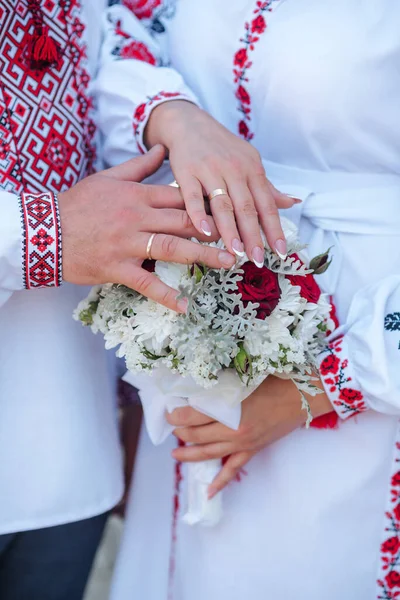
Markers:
point(119, 332)
point(290, 300)
point(171, 274)
point(153, 324)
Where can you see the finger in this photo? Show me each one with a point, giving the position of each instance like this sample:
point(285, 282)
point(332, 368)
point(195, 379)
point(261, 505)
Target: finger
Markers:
point(186, 416)
point(247, 220)
point(283, 201)
point(229, 472)
point(203, 452)
point(177, 222)
point(150, 286)
point(165, 196)
point(169, 248)
point(192, 192)
point(139, 168)
point(268, 214)
point(205, 434)
point(223, 212)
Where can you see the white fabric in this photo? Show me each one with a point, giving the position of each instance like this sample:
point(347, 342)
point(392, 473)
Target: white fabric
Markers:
point(163, 392)
point(59, 442)
point(307, 520)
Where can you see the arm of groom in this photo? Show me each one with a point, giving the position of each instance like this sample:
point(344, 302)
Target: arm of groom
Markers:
point(103, 226)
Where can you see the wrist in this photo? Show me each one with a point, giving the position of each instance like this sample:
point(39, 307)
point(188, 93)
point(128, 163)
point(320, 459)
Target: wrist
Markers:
point(167, 120)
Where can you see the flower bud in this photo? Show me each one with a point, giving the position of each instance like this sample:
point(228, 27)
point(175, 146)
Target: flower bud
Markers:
point(319, 264)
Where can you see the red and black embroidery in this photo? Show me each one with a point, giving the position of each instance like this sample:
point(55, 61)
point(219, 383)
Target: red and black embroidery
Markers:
point(132, 48)
point(335, 373)
point(152, 12)
point(42, 248)
point(242, 63)
point(143, 111)
point(46, 126)
point(389, 568)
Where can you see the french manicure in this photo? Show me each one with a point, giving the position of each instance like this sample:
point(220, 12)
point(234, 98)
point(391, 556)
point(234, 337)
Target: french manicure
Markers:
point(205, 228)
point(258, 257)
point(226, 259)
point(238, 247)
point(211, 493)
point(281, 249)
point(182, 305)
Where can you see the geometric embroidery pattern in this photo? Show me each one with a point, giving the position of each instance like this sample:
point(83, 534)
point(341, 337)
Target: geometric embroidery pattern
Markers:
point(42, 248)
point(46, 130)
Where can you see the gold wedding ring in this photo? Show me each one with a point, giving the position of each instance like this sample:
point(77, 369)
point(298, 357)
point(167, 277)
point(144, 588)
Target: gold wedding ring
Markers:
point(149, 245)
point(217, 192)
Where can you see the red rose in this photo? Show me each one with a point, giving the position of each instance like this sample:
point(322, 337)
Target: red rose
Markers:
point(261, 286)
point(258, 25)
point(240, 57)
point(396, 479)
point(142, 9)
point(396, 512)
point(243, 129)
point(149, 265)
point(391, 545)
point(309, 288)
point(242, 95)
point(139, 112)
point(330, 364)
point(393, 579)
point(350, 396)
point(139, 51)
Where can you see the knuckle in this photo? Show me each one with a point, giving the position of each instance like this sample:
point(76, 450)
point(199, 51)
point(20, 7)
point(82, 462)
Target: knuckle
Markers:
point(142, 282)
point(186, 222)
point(248, 209)
point(207, 453)
point(246, 432)
point(193, 197)
point(225, 205)
point(169, 246)
point(167, 298)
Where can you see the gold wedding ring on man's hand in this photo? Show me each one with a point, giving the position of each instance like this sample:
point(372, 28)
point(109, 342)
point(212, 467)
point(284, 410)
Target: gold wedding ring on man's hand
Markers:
point(149, 245)
point(217, 192)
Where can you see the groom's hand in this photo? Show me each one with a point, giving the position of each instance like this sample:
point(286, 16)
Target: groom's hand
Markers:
point(107, 220)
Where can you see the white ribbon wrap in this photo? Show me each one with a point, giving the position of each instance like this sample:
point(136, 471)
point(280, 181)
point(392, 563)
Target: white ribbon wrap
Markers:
point(164, 391)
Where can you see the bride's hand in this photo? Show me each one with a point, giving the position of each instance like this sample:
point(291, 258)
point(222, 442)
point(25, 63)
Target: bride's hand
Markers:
point(270, 413)
point(205, 157)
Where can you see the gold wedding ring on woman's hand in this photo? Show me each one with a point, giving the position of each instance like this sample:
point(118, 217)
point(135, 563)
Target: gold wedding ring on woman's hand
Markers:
point(217, 192)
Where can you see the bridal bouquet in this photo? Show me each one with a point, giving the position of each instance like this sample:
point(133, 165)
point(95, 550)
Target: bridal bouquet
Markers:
point(241, 326)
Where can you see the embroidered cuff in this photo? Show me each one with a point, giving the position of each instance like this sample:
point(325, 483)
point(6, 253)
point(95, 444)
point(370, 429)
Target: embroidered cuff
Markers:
point(42, 256)
point(143, 112)
point(339, 380)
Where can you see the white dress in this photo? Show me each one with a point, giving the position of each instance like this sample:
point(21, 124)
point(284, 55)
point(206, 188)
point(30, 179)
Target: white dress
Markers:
point(315, 87)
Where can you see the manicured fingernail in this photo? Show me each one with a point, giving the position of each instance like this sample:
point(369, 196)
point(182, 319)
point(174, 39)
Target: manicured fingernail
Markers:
point(211, 493)
point(281, 249)
point(238, 247)
point(182, 305)
point(258, 257)
point(205, 228)
point(226, 259)
point(295, 200)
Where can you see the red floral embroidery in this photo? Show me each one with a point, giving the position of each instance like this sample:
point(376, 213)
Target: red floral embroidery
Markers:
point(131, 48)
point(347, 400)
point(42, 240)
point(242, 63)
point(142, 9)
point(139, 51)
point(389, 568)
point(46, 126)
point(143, 111)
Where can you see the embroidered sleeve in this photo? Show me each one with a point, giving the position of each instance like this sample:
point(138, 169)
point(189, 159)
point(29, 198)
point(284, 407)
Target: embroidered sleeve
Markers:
point(135, 76)
point(41, 240)
point(360, 367)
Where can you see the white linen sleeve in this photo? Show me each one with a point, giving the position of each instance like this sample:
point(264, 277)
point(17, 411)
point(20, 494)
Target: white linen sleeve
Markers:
point(133, 78)
point(11, 244)
point(360, 368)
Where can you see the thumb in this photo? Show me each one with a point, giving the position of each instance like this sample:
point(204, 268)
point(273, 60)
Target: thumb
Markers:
point(139, 168)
